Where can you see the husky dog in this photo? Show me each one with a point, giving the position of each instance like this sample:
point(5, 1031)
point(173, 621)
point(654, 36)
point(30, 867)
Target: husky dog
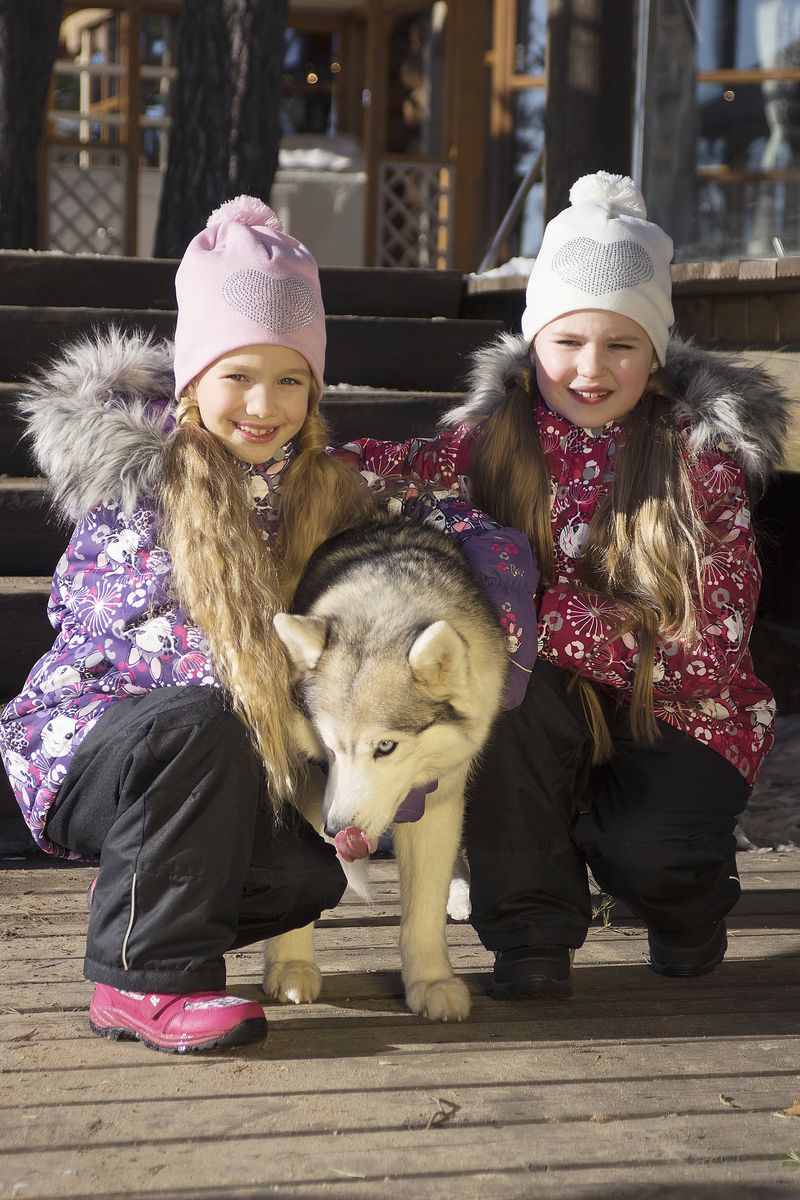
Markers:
point(399, 664)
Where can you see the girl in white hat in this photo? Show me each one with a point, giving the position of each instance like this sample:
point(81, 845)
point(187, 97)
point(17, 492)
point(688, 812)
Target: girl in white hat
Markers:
point(627, 457)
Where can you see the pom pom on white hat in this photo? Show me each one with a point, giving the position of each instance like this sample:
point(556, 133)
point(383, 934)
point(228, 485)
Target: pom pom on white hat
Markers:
point(603, 253)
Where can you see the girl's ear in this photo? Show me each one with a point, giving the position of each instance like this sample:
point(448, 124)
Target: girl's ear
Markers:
point(304, 639)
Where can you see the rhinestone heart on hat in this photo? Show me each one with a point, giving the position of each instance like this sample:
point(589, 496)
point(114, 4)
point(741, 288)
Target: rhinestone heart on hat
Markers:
point(280, 305)
point(599, 268)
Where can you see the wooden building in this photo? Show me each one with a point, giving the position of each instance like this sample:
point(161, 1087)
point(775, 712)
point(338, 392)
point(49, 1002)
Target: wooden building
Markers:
point(408, 124)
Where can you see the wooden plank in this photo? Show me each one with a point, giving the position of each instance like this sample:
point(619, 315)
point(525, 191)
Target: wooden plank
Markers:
point(379, 413)
point(787, 308)
point(638, 1087)
point(395, 292)
point(694, 316)
point(15, 458)
point(763, 276)
point(729, 319)
point(54, 279)
point(32, 539)
point(403, 353)
point(758, 269)
point(788, 268)
point(762, 319)
point(30, 336)
point(728, 269)
point(349, 412)
point(26, 632)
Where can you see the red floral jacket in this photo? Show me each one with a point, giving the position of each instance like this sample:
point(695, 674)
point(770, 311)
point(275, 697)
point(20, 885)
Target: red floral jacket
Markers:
point(706, 687)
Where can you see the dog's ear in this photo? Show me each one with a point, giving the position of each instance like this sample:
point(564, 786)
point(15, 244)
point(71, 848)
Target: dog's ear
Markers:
point(438, 661)
point(303, 637)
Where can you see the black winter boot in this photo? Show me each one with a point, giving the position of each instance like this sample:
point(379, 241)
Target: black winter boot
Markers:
point(531, 973)
point(692, 952)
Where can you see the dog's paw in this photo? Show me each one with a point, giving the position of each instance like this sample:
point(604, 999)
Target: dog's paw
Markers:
point(293, 982)
point(442, 1000)
point(458, 905)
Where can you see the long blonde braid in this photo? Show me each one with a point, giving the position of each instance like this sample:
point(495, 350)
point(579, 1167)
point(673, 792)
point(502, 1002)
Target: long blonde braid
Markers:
point(232, 584)
point(227, 581)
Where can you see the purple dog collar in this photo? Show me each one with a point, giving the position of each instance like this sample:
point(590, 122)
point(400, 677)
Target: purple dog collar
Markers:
point(413, 807)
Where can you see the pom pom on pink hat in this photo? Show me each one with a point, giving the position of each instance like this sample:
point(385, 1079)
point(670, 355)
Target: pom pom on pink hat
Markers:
point(243, 281)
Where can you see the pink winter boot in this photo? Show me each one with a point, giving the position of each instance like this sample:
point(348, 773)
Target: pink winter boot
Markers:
point(177, 1024)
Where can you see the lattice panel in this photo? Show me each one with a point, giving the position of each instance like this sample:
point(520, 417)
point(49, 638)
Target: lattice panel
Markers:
point(86, 206)
point(415, 214)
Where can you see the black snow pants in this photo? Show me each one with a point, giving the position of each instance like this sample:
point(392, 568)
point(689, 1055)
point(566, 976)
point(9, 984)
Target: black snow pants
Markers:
point(168, 791)
point(655, 824)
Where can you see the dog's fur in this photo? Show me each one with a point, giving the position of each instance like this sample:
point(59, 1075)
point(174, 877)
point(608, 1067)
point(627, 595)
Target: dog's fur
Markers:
point(393, 642)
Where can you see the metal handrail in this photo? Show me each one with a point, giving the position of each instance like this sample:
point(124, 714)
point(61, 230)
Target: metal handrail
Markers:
point(532, 175)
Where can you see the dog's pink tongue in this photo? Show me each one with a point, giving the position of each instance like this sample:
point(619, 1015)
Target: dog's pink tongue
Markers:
point(352, 843)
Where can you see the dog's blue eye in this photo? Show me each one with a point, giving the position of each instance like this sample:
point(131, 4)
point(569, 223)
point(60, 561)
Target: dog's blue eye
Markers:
point(384, 748)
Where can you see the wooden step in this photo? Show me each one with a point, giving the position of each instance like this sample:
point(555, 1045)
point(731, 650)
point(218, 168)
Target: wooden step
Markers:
point(351, 412)
point(401, 353)
point(26, 632)
point(100, 281)
point(29, 337)
point(15, 458)
point(379, 413)
point(404, 354)
point(32, 539)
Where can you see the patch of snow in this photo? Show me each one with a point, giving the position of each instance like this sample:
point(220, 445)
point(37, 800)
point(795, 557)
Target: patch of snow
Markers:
point(313, 152)
point(520, 267)
point(772, 818)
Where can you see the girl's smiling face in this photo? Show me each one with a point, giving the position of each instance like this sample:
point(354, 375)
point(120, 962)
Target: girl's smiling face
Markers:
point(592, 366)
point(255, 399)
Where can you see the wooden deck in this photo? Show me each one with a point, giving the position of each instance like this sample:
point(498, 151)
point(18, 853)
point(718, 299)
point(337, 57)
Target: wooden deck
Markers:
point(638, 1087)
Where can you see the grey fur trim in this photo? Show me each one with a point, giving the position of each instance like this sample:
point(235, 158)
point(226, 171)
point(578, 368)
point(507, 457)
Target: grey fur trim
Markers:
point(726, 401)
point(91, 436)
point(722, 400)
point(495, 367)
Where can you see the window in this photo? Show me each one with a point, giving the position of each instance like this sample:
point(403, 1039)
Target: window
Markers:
point(108, 126)
point(517, 114)
point(312, 66)
point(741, 113)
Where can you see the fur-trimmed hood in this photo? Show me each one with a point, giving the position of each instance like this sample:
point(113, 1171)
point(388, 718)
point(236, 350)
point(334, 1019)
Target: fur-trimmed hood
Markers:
point(99, 419)
point(720, 400)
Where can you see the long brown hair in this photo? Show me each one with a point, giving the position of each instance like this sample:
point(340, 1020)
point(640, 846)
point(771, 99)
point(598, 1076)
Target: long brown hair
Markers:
point(231, 583)
point(642, 549)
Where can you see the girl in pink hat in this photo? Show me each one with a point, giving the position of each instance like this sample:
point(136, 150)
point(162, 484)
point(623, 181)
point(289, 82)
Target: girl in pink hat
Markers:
point(628, 458)
point(155, 734)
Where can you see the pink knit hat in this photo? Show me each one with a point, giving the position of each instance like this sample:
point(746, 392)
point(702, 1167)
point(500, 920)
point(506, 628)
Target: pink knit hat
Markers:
point(244, 282)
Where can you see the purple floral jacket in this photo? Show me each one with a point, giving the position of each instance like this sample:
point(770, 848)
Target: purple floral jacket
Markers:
point(99, 423)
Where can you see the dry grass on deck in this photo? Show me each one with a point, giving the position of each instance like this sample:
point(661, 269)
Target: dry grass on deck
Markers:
point(638, 1087)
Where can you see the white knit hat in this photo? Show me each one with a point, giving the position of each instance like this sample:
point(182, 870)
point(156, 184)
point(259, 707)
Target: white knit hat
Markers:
point(603, 253)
